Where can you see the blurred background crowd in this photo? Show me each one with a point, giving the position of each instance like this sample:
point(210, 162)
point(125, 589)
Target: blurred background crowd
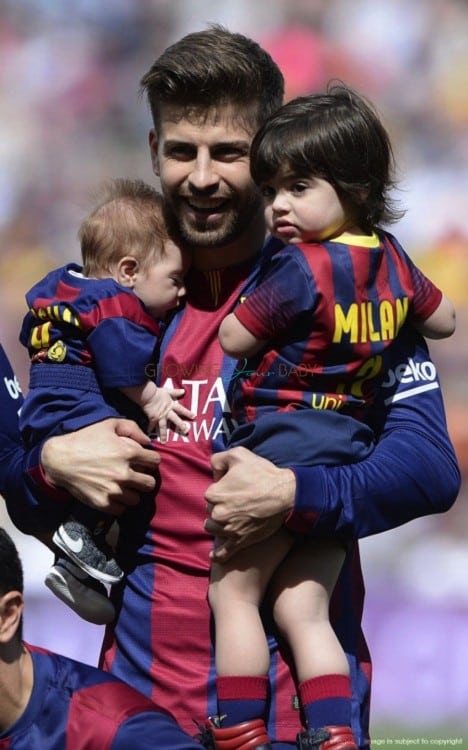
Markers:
point(71, 116)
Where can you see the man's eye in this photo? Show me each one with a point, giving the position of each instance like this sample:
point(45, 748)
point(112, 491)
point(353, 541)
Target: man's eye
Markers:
point(228, 154)
point(180, 153)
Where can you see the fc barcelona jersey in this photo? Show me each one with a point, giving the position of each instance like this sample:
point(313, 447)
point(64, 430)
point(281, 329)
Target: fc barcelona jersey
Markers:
point(162, 640)
point(76, 707)
point(77, 320)
point(328, 312)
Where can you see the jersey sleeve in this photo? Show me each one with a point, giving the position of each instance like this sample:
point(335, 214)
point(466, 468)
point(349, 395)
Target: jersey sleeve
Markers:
point(11, 401)
point(11, 451)
point(123, 351)
point(29, 508)
point(412, 472)
point(286, 291)
point(426, 295)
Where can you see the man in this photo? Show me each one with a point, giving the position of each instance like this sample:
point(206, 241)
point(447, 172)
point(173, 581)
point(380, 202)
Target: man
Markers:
point(50, 701)
point(208, 94)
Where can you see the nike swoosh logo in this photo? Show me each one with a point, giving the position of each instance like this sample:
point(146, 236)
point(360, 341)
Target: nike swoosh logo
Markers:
point(76, 545)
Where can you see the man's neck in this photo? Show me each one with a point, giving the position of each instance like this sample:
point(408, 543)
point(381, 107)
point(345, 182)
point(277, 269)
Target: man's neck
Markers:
point(16, 683)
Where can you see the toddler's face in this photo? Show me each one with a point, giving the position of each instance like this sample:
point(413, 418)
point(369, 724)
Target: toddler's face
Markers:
point(303, 209)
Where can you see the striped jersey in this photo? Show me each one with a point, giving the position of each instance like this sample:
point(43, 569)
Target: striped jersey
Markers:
point(161, 642)
point(77, 320)
point(328, 313)
point(85, 337)
point(162, 638)
point(76, 707)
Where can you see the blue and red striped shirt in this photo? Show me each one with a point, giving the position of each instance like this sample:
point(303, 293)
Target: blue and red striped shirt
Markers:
point(73, 706)
point(76, 327)
point(328, 312)
point(161, 642)
point(77, 320)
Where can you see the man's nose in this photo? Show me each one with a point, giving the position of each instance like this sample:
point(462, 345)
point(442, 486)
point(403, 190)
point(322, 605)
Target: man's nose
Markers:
point(203, 175)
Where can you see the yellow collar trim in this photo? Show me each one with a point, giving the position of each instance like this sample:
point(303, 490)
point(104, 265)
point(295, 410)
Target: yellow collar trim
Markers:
point(361, 240)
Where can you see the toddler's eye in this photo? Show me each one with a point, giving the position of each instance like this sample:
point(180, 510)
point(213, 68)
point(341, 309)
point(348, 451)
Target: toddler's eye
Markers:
point(267, 192)
point(299, 187)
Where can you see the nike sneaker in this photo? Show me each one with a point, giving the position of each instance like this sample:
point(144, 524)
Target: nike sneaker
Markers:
point(83, 594)
point(89, 551)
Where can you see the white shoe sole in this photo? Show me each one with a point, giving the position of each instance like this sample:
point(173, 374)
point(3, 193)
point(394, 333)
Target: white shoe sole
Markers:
point(88, 604)
point(103, 577)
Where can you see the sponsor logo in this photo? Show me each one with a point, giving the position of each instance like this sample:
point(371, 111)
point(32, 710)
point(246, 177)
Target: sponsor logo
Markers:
point(13, 387)
point(418, 376)
point(57, 352)
point(75, 545)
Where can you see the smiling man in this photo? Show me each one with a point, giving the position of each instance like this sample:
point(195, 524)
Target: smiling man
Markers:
point(208, 93)
point(206, 181)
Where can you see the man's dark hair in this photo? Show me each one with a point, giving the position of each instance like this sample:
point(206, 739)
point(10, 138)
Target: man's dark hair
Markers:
point(339, 137)
point(209, 69)
point(11, 570)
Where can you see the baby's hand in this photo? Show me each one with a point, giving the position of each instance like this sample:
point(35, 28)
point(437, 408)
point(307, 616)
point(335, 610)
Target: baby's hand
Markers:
point(164, 408)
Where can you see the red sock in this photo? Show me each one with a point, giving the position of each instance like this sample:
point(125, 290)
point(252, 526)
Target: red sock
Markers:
point(326, 701)
point(241, 698)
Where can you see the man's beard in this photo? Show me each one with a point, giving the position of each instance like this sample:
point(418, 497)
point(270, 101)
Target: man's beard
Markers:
point(232, 225)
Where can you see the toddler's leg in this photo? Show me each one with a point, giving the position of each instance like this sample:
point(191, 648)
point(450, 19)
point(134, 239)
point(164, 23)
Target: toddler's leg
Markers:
point(242, 656)
point(302, 588)
point(236, 591)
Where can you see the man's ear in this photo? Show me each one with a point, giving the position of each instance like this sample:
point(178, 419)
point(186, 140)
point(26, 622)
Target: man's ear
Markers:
point(127, 269)
point(11, 611)
point(153, 144)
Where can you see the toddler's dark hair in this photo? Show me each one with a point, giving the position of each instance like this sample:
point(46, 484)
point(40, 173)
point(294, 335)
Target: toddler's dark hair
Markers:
point(339, 137)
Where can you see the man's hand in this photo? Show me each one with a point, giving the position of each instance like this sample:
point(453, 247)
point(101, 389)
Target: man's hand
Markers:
point(247, 502)
point(104, 465)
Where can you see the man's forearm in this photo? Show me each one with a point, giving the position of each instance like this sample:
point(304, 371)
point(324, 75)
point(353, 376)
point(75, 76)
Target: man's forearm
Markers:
point(406, 477)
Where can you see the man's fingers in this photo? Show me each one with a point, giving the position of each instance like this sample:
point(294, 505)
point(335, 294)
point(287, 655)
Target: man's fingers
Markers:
point(215, 528)
point(219, 464)
point(220, 461)
point(143, 458)
point(224, 551)
point(128, 428)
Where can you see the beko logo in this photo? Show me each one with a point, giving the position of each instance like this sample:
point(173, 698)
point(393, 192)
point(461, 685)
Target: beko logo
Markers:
point(421, 375)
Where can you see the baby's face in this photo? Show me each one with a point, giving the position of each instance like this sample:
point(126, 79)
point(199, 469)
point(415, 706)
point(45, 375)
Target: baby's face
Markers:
point(161, 285)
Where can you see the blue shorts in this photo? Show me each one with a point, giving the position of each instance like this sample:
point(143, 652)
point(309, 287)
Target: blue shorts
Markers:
point(305, 437)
